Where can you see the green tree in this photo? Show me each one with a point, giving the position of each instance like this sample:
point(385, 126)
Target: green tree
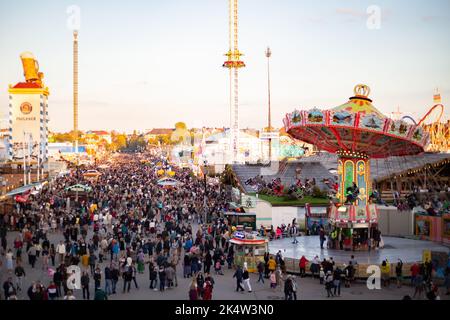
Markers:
point(228, 176)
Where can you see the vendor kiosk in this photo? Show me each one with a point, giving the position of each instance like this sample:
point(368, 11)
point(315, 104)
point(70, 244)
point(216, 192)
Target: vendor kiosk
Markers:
point(249, 249)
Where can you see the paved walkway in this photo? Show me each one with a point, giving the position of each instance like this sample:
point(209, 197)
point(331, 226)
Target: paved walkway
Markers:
point(394, 248)
point(224, 288)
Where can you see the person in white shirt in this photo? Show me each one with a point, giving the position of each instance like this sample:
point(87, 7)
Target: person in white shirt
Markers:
point(61, 250)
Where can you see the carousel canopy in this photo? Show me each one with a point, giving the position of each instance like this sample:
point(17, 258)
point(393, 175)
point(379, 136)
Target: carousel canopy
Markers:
point(79, 188)
point(356, 126)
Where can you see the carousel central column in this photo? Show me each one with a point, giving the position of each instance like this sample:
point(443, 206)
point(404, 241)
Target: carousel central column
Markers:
point(354, 167)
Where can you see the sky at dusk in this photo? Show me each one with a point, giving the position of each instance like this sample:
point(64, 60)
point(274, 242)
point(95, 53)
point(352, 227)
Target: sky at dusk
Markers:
point(146, 64)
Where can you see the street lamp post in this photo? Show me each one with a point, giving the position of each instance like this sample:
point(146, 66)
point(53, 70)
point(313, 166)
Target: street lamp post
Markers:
point(269, 118)
point(205, 172)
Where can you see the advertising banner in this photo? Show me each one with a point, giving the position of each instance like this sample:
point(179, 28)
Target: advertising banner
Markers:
point(26, 125)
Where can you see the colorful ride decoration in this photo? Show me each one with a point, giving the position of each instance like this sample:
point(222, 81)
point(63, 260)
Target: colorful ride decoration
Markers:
point(356, 131)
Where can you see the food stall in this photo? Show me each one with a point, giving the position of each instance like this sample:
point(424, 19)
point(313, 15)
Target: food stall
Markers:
point(78, 191)
point(249, 249)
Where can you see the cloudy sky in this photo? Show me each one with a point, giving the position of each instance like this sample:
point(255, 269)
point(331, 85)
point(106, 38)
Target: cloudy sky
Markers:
point(146, 64)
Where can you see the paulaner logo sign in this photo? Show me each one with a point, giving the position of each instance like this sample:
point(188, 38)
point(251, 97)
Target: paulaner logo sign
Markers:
point(26, 108)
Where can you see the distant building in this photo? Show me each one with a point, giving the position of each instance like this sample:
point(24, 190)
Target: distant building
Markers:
point(218, 152)
point(101, 135)
point(155, 133)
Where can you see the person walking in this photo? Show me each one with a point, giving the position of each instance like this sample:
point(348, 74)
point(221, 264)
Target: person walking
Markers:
point(52, 253)
point(61, 251)
point(260, 268)
point(9, 261)
point(8, 288)
point(322, 237)
point(418, 285)
point(329, 284)
point(32, 255)
point(238, 274)
point(108, 280)
point(207, 262)
point(45, 256)
point(399, 273)
point(92, 261)
point(315, 266)
point(385, 273)
point(273, 280)
point(193, 293)
point(337, 275)
point(288, 290)
point(162, 279)
point(153, 275)
point(294, 231)
point(302, 265)
point(272, 264)
point(19, 271)
point(246, 280)
point(415, 269)
point(207, 290)
point(97, 277)
point(127, 277)
point(114, 277)
point(85, 285)
point(294, 288)
point(133, 275)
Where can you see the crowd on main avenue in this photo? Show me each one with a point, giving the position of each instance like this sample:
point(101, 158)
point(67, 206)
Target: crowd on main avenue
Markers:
point(99, 240)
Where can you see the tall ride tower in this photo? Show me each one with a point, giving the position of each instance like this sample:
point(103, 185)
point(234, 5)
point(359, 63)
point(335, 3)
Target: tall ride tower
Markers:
point(234, 63)
point(75, 89)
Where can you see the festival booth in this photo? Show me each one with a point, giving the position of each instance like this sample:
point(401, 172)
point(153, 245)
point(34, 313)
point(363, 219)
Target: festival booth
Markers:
point(429, 227)
point(78, 191)
point(249, 249)
point(315, 217)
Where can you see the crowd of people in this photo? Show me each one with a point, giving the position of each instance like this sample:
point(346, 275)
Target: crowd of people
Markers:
point(126, 224)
